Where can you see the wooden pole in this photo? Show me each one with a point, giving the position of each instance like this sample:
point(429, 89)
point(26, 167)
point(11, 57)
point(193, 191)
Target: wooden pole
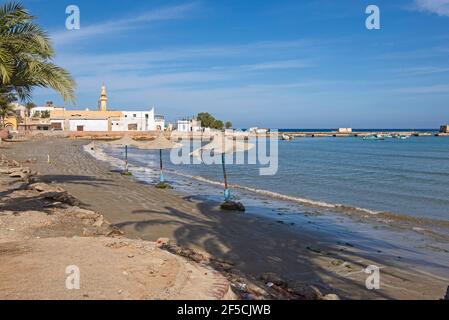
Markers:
point(224, 170)
point(160, 161)
point(126, 158)
point(227, 193)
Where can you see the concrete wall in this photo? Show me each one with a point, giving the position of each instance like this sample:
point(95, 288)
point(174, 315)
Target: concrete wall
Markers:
point(141, 120)
point(89, 125)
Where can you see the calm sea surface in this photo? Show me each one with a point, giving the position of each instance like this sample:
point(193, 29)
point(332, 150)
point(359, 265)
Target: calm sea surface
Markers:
point(409, 177)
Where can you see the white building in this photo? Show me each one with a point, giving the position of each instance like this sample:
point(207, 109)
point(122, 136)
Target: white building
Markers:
point(159, 122)
point(102, 119)
point(49, 107)
point(189, 125)
point(88, 125)
point(135, 121)
point(183, 126)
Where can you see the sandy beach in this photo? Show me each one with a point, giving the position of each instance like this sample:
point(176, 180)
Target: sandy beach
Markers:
point(243, 246)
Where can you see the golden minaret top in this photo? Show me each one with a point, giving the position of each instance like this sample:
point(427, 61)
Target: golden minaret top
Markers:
point(102, 102)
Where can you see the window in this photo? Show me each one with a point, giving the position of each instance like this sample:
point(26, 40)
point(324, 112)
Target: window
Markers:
point(134, 115)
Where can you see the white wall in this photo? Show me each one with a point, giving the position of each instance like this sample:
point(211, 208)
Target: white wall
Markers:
point(183, 126)
point(160, 123)
point(89, 125)
point(143, 119)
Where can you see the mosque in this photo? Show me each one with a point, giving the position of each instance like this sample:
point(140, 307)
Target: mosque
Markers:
point(103, 119)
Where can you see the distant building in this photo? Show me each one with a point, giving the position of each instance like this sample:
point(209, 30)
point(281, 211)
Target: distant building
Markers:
point(87, 120)
point(183, 125)
point(103, 101)
point(189, 125)
point(135, 121)
point(344, 130)
point(48, 107)
point(10, 123)
point(444, 128)
point(159, 122)
point(257, 130)
point(101, 119)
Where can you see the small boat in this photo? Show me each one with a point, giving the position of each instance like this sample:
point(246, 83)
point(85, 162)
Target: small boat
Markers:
point(402, 136)
point(374, 137)
point(286, 137)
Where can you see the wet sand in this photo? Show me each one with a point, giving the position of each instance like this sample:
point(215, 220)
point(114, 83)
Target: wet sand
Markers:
point(252, 245)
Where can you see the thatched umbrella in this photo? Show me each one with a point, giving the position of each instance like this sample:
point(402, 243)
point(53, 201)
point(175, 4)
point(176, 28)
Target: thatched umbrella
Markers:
point(160, 143)
point(125, 141)
point(223, 145)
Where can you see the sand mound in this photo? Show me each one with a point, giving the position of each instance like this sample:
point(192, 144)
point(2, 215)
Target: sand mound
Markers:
point(109, 269)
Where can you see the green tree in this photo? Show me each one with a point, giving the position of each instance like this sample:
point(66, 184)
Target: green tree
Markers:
point(228, 125)
point(6, 108)
point(218, 124)
point(45, 114)
point(26, 56)
point(207, 120)
point(29, 106)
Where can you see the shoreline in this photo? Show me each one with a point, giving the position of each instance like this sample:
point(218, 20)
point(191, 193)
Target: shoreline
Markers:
point(393, 219)
point(251, 245)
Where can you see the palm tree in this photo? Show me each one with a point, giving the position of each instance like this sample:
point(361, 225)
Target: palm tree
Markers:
point(28, 107)
point(6, 108)
point(26, 55)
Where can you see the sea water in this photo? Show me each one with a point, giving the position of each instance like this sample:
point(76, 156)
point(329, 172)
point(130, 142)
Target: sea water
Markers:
point(406, 177)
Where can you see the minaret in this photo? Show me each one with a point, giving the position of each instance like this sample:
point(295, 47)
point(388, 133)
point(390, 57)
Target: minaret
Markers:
point(102, 102)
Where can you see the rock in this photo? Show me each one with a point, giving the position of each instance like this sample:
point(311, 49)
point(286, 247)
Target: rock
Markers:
point(270, 277)
point(308, 292)
point(163, 185)
point(4, 134)
point(44, 187)
point(63, 197)
point(162, 242)
point(89, 217)
point(22, 175)
point(331, 296)
point(115, 232)
point(232, 206)
point(98, 222)
point(14, 163)
point(446, 297)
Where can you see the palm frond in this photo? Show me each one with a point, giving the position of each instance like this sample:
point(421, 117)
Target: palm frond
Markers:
point(26, 55)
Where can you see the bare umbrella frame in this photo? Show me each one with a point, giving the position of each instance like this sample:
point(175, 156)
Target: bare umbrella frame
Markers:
point(220, 144)
point(160, 143)
point(125, 141)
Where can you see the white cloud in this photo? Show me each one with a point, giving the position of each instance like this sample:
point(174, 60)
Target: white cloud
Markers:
point(115, 26)
point(432, 89)
point(440, 7)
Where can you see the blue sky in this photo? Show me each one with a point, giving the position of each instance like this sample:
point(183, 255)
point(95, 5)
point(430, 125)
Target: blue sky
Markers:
point(277, 64)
